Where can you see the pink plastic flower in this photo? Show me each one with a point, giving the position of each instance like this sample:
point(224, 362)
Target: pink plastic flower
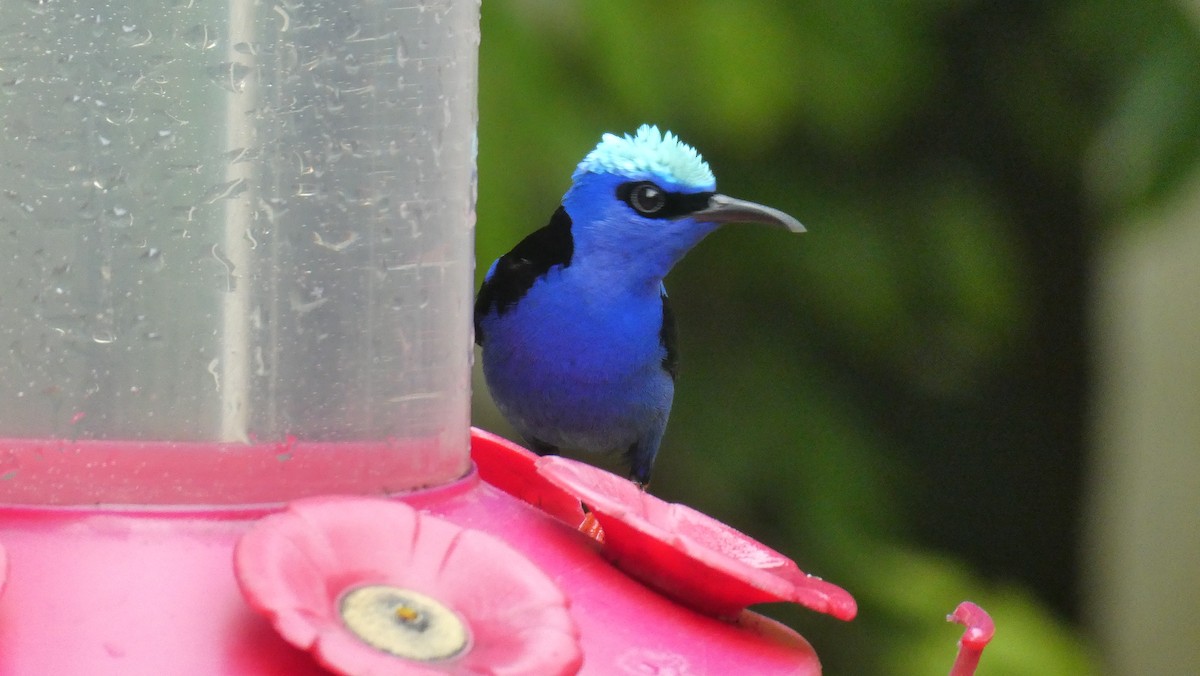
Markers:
point(371, 586)
point(687, 555)
point(979, 631)
point(3, 569)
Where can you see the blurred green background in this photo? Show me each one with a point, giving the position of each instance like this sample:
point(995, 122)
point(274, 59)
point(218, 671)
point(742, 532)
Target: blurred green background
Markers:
point(900, 398)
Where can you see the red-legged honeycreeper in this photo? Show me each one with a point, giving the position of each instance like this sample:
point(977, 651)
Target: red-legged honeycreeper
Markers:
point(578, 337)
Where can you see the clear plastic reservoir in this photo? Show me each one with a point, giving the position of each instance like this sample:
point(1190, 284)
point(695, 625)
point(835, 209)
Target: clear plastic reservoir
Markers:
point(237, 222)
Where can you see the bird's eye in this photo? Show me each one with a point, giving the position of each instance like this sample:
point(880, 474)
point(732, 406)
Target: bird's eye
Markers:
point(647, 198)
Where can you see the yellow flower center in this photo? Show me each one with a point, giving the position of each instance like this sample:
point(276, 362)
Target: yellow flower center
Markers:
point(403, 622)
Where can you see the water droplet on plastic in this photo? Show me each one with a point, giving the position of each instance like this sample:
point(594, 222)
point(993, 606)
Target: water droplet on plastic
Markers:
point(230, 75)
point(200, 37)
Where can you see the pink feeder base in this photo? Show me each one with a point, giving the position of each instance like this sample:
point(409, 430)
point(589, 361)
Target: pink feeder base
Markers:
point(150, 589)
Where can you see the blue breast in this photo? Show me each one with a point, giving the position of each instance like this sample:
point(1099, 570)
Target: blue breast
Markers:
point(577, 371)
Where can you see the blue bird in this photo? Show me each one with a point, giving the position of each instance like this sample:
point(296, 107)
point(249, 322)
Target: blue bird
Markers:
point(578, 338)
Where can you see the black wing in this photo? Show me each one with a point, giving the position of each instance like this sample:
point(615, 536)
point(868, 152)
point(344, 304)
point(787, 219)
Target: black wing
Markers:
point(669, 339)
point(517, 270)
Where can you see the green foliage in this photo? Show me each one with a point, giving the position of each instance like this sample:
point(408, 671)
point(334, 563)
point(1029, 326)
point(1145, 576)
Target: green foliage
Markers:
point(890, 396)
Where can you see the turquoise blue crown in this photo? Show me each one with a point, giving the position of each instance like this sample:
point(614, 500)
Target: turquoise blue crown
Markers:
point(650, 155)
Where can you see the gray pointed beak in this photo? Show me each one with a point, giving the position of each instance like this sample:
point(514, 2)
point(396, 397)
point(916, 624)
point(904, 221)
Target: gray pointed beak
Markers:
point(726, 209)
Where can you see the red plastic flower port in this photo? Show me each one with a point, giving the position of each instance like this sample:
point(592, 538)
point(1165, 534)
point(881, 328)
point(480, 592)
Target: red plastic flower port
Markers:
point(371, 586)
point(513, 470)
point(687, 555)
point(979, 631)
